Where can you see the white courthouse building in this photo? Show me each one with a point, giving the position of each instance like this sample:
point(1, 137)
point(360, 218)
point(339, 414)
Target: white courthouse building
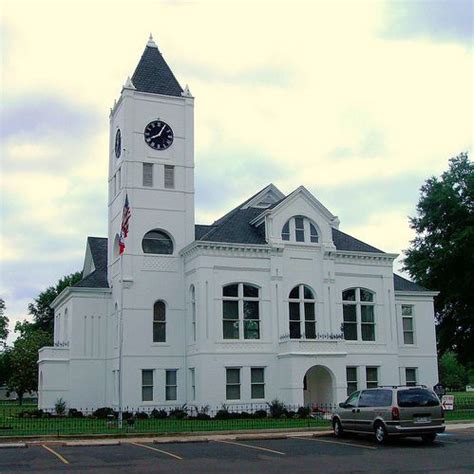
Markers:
point(272, 300)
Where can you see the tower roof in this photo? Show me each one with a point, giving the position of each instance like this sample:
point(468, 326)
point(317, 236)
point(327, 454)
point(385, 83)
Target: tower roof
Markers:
point(153, 74)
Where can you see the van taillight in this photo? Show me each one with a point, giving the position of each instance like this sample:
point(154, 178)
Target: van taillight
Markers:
point(442, 413)
point(395, 413)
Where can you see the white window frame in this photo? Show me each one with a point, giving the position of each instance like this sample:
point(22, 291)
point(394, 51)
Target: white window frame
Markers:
point(241, 299)
point(171, 386)
point(358, 303)
point(169, 180)
point(147, 175)
point(159, 322)
point(356, 381)
point(373, 383)
point(148, 386)
point(233, 384)
point(257, 384)
point(409, 317)
point(308, 235)
point(411, 383)
point(302, 311)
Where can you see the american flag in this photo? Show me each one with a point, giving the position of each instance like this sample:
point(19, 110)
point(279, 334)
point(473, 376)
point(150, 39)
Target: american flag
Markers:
point(124, 229)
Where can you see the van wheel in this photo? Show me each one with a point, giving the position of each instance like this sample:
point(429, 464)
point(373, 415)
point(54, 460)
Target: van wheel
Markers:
point(337, 428)
point(380, 433)
point(429, 438)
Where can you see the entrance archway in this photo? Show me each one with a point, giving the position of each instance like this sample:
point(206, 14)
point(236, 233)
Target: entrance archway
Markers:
point(318, 386)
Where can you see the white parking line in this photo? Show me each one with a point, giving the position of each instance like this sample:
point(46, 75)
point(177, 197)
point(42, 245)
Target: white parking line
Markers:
point(157, 450)
point(334, 442)
point(258, 448)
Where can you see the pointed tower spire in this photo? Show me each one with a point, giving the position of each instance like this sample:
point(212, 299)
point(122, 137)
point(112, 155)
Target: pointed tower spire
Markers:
point(151, 43)
point(153, 75)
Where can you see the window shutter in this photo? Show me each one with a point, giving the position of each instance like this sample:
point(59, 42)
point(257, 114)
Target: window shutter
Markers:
point(148, 174)
point(169, 176)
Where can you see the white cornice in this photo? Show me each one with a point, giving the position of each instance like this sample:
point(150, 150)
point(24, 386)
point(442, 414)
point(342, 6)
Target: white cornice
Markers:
point(223, 247)
point(75, 290)
point(352, 255)
point(423, 293)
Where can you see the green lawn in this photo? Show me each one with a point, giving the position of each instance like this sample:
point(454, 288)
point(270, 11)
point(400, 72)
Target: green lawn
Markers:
point(12, 425)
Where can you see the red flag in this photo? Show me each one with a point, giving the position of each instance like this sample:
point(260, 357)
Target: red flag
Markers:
point(124, 229)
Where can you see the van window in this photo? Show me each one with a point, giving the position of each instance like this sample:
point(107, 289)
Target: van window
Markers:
point(352, 399)
point(375, 398)
point(417, 397)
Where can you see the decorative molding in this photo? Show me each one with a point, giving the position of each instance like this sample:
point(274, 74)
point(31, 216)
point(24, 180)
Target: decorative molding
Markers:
point(346, 256)
point(224, 249)
point(160, 264)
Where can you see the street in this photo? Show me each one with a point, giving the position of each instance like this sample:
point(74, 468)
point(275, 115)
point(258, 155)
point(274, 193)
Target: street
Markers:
point(452, 452)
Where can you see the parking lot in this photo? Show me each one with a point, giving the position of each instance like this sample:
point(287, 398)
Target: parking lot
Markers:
point(452, 452)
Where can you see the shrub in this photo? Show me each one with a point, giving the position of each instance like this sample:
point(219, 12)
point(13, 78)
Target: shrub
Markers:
point(60, 407)
point(303, 412)
point(104, 413)
point(75, 413)
point(223, 413)
point(277, 409)
point(141, 415)
point(260, 414)
point(179, 413)
point(158, 414)
point(202, 416)
point(127, 415)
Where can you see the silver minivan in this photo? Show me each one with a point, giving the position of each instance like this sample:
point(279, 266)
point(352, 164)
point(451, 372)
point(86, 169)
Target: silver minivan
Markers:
point(391, 411)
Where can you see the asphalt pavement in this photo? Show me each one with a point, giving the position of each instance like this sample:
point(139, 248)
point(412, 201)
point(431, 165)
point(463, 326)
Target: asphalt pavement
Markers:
point(452, 452)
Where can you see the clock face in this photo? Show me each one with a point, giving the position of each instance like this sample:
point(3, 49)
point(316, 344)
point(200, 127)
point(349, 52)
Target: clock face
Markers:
point(158, 135)
point(118, 143)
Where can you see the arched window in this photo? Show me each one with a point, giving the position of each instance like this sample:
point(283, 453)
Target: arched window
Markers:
point(300, 229)
point(157, 242)
point(301, 303)
point(241, 311)
point(159, 322)
point(358, 314)
point(193, 311)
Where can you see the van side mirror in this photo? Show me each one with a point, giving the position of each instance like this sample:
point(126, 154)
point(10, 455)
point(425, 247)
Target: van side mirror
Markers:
point(342, 405)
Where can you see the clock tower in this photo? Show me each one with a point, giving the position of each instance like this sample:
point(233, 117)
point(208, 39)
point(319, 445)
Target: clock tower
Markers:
point(151, 161)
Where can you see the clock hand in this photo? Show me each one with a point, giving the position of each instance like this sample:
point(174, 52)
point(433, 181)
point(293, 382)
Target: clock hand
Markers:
point(161, 131)
point(154, 136)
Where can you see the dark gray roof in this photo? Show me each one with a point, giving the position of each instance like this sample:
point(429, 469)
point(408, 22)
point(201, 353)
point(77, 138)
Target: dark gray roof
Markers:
point(154, 75)
point(98, 278)
point(402, 284)
point(344, 241)
point(235, 228)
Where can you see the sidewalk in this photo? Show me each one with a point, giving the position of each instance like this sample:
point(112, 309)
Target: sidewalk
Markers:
point(188, 437)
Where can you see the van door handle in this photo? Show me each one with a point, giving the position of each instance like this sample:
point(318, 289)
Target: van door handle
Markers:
point(355, 411)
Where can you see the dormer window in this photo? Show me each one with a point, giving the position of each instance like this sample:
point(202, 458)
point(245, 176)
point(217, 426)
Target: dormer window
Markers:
point(300, 229)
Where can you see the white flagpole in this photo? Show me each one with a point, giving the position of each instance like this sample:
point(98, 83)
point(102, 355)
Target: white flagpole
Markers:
point(120, 380)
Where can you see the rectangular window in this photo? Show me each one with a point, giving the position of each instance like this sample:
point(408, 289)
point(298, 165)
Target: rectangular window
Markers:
point(351, 377)
point(350, 322)
point(169, 176)
point(171, 387)
point(257, 381)
point(372, 377)
point(295, 321)
point(310, 321)
point(367, 323)
point(192, 376)
point(230, 319)
point(232, 388)
point(251, 320)
point(299, 229)
point(148, 174)
point(407, 324)
point(147, 385)
point(410, 376)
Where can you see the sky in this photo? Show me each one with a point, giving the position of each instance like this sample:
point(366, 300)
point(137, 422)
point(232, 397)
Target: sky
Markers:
point(360, 102)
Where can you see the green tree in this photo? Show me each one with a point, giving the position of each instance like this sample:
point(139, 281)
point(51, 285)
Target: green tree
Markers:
point(441, 257)
point(41, 310)
point(23, 358)
point(3, 322)
point(452, 374)
point(5, 366)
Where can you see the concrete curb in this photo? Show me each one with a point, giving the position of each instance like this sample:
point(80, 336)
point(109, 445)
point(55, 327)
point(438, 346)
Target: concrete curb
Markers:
point(12, 445)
